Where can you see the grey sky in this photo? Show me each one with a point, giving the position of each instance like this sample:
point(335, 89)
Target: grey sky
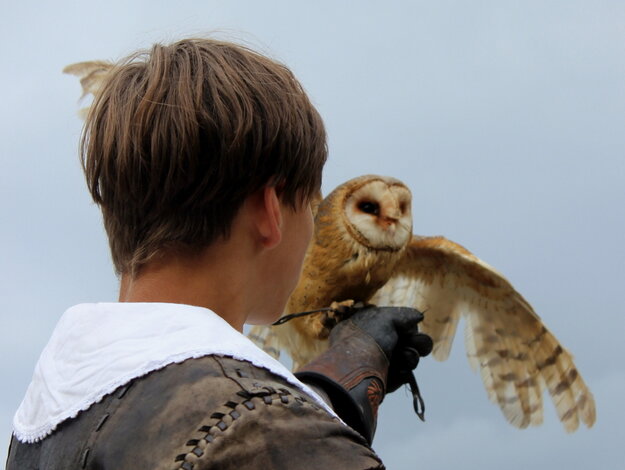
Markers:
point(506, 119)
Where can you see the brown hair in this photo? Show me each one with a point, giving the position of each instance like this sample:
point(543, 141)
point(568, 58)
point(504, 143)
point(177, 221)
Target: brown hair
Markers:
point(181, 135)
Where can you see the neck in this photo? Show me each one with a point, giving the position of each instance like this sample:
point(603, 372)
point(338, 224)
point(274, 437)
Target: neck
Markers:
point(209, 280)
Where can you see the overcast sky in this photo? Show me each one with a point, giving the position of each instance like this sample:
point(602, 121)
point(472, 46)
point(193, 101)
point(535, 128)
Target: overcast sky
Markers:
point(505, 118)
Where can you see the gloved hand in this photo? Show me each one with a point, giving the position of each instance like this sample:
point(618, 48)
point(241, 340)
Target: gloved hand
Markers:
point(370, 354)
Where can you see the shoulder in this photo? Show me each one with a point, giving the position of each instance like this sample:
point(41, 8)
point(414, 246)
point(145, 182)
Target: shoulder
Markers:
point(216, 412)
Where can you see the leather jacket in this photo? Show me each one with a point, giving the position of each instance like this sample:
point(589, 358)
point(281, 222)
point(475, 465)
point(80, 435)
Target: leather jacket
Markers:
point(206, 413)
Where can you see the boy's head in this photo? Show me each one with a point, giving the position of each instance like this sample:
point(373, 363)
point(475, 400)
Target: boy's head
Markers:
point(181, 135)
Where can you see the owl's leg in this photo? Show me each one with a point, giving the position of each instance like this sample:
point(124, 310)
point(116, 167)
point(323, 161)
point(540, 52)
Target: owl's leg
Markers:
point(343, 307)
point(318, 325)
point(347, 308)
point(322, 323)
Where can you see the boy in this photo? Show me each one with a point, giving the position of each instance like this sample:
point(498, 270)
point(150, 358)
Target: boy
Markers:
point(203, 157)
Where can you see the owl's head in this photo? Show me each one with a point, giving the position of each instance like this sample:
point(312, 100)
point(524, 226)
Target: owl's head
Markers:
point(377, 211)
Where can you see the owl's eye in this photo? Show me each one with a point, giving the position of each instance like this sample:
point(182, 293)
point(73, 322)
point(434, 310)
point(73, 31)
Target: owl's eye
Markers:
point(369, 207)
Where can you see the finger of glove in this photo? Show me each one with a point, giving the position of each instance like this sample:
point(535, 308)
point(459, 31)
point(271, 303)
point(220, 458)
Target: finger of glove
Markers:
point(405, 359)
point(406, 319)
point(421, 342)
point(424, 344)
point(407, 325)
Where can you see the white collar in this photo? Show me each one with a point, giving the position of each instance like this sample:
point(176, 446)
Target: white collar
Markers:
point(96, 348)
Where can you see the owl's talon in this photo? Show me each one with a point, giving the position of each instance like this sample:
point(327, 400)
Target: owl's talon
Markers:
point(342, 307)
point(329, 321)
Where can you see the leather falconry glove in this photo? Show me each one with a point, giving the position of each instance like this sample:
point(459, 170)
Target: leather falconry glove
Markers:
point(370, 354)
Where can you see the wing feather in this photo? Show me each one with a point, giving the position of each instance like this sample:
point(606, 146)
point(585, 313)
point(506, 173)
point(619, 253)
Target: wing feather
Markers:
point(506, 341)
point(266, 339)
point(92, 75)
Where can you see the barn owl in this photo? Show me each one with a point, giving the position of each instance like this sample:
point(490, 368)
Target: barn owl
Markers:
point(363, 250)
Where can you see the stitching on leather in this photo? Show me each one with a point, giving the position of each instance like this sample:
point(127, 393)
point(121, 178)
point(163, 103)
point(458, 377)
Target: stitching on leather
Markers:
point(111, 404)
point(225, 415)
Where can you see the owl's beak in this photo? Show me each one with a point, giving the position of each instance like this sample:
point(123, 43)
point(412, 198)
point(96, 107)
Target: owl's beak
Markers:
point(387, 222)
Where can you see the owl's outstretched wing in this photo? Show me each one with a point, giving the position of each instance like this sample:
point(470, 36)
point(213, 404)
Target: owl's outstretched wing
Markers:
point(516, 355)
point(92, 75)
point(266, 339)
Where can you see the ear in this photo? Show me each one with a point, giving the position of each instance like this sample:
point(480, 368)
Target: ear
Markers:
point(269, 218)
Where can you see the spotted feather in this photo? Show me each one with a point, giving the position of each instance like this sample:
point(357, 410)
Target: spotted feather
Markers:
point(516, 355)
